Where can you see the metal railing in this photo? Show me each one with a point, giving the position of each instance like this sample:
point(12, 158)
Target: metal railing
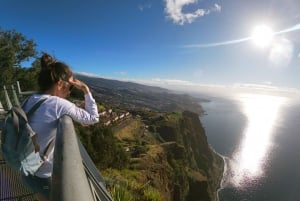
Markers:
point(11, 187)
point(69, 182)
point(75, 176)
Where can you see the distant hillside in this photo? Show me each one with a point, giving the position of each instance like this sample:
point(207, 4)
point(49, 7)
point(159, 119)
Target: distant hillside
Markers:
point(135, 96)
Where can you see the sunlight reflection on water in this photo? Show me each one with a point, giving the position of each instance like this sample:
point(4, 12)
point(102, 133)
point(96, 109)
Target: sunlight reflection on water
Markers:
point(248, 161)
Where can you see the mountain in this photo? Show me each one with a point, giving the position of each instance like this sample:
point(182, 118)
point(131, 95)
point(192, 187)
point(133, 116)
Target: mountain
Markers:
point(129, 95)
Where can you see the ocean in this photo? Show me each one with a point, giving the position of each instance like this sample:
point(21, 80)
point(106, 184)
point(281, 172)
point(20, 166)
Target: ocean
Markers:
point(259, 138)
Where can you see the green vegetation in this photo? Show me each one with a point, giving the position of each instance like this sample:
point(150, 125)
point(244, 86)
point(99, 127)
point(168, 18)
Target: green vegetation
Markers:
point(121, 193)
point(174, 116)
point(102, 146)
point(154, 156)
point(130, 130)
point(134, 192)
point(15, 48)
point(126, 185)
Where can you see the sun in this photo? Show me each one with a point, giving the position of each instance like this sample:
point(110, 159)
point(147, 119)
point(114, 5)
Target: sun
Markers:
point(262, 35)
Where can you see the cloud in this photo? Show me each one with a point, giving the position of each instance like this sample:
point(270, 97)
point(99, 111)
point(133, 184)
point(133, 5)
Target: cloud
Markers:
point(217, 8)
point(174, 11)
point(88, 74)
point(228, 90)
point(267, 83)
point(266, 89)
point(170, 82)
point(165, 83)
point(264, 86)
point(121, 73)
point(187, 86)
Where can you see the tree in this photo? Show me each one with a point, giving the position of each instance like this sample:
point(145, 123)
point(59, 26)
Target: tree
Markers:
point(15, 48)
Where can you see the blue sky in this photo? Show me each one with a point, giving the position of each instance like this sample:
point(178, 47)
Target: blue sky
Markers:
point(167, 41)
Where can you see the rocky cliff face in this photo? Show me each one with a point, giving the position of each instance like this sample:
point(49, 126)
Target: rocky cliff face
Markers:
point(184, 167)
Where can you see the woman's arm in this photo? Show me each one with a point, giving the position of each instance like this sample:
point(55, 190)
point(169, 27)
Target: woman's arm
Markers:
point(79, 85)
point(90, 114)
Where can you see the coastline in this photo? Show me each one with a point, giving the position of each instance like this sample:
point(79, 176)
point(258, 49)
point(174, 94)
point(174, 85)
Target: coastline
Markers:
point(219, 165)
point(219, 172)
point(225, 168)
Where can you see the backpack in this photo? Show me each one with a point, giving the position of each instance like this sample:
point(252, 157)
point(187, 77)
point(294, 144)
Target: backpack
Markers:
point(18, 141)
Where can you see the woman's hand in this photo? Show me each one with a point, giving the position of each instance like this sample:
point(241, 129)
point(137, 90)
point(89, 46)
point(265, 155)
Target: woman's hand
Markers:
point(79, 85)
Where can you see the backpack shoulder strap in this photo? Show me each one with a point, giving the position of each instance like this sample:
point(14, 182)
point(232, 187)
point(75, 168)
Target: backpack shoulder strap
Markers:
point(34, 107)
point(52, 142)
point(15, 112)
point(25, 116)
point(19, 111)
point(48, 149)
point(28, 115)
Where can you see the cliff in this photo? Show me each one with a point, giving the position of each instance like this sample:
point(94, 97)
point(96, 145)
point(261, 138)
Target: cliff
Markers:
point(170, 154)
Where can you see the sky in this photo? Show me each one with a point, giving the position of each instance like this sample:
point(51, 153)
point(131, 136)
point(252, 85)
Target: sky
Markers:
point(172, 42)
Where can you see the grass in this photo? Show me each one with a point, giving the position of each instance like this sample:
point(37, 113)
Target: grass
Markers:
point(151, 194)
point(130, 131)
point(121, 194)
point(127, 185)
point(132, 191)
point(174, 116)
point(154, 150)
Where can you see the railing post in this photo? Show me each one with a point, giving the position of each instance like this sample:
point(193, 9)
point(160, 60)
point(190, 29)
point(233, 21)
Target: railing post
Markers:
point(16, 99)
point(18, 87)
point(8, 102)
point(21, 93)
point(69, 181)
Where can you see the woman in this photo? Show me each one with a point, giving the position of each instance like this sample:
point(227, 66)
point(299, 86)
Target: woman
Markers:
point(55, 81)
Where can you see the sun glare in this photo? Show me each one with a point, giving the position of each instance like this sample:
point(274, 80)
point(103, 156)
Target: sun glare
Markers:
point(262, 35)
point(262, 113)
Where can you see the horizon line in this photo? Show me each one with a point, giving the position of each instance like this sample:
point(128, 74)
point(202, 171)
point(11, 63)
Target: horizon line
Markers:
point(176, 83)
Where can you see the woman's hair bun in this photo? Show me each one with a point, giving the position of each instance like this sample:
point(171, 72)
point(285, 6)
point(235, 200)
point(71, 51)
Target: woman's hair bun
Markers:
point(47, 61)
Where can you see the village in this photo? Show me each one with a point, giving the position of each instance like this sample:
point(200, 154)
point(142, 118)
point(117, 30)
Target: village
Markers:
point(108, 117)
